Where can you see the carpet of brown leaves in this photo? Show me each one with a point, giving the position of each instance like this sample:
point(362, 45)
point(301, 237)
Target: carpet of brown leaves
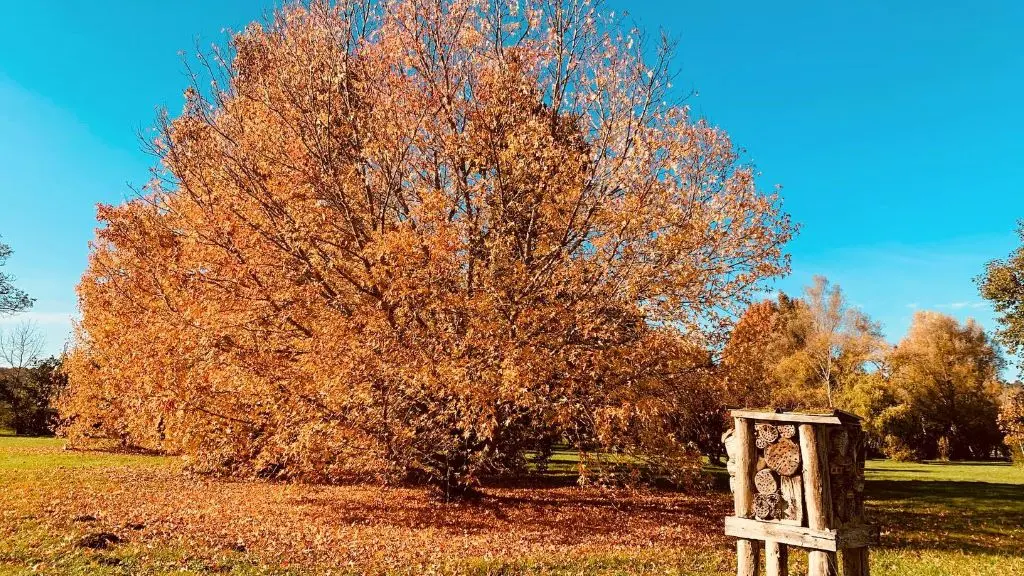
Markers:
point(362, 527)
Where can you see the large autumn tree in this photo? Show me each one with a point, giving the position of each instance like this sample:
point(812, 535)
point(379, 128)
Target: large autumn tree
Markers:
point(415, 241)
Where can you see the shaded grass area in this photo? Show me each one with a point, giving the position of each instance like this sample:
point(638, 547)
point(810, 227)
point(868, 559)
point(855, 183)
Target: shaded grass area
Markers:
point(936, 518)
point(948, 518)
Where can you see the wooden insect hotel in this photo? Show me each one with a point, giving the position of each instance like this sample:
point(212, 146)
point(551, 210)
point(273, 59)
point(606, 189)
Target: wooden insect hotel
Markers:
point(798, 480)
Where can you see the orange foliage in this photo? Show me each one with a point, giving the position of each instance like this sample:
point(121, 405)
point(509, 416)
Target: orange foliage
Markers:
point(751, 354)
point(416, 244)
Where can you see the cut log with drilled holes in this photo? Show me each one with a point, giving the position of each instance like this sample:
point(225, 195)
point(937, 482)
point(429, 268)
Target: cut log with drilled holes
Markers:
point(765, 506)
point(787, 431)
point(769, 432)
point(761, 442)
point(783, 457)
point(765, 482)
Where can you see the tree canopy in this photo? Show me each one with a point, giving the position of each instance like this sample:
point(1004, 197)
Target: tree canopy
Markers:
point(936, 394)
point(800, 352)
point(945, 377)
point(1002, 284)
point(416, 243)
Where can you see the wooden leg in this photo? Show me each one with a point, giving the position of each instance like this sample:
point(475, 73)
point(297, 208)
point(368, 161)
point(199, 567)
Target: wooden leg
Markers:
point(776, 559)
point(855, 562)
point(747, 552)
point(821, 563)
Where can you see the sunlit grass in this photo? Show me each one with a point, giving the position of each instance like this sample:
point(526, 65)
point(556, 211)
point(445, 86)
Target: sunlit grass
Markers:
point(27, 453)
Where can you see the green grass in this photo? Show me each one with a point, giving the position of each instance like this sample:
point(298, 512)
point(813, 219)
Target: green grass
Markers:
point(937, 519)
point(31, 453)
point(942, 518)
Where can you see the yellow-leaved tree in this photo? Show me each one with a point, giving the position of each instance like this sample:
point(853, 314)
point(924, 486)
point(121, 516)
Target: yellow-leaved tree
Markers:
point(946, 387)
point(416, 241)
point(801, 353)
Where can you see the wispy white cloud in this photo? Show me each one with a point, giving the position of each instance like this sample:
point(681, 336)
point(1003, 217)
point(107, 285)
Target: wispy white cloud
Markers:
point(963, 305)
point(913, 305)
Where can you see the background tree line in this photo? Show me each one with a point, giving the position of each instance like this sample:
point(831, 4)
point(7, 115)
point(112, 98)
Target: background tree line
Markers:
point(29, 383)
point(935, 394)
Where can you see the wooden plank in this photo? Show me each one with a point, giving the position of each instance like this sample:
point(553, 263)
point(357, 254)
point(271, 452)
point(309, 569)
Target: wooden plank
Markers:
point(828, 418)
point(746, 458)
point(817, 494)
point(782, 533)
point(802, 536)
point(776, 559)
point(747, 552)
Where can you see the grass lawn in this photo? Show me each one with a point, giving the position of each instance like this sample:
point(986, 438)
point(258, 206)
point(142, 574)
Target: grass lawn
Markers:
point(957, 519)
point(948, 518)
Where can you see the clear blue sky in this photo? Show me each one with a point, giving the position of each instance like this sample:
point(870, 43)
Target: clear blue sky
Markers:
point(894, 126)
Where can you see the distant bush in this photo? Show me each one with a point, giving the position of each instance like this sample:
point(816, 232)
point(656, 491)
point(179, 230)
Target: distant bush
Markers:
point(27, 397)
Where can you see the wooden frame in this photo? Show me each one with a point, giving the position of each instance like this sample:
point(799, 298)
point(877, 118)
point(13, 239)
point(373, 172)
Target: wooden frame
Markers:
point(814, 504)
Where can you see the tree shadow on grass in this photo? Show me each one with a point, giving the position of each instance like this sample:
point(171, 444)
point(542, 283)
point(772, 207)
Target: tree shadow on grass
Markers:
point(948, 515)
point(942, 492)
point(985, 463)
point(557, 515)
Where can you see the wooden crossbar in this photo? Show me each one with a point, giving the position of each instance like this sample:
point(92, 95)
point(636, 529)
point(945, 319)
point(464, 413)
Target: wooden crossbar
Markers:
point(827, 540)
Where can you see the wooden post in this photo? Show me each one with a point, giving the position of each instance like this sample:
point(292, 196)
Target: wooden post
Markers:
point(855, 562)
point(747, 557)
point(776, 559)
point(817, 495)
point(746, 459)
point(747, 551)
